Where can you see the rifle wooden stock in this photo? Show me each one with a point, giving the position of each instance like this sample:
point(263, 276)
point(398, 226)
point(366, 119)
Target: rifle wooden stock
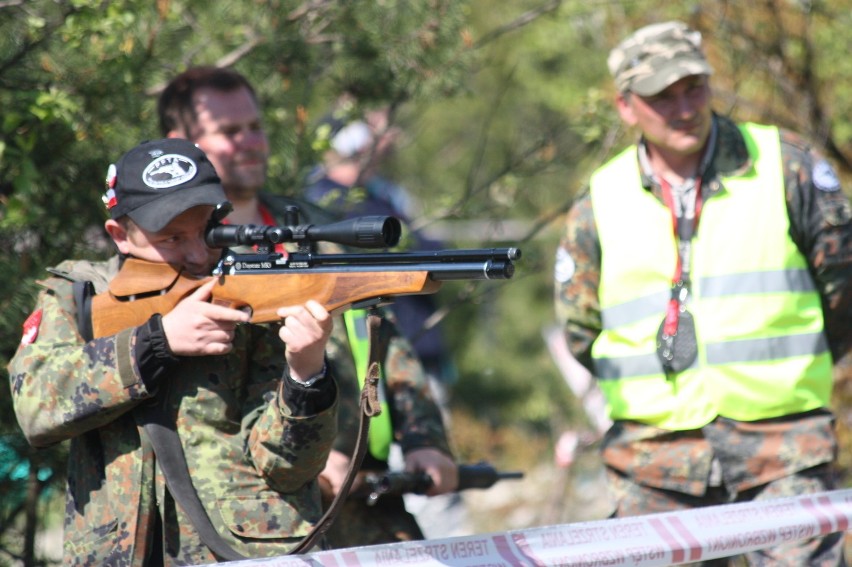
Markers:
point(258, 283)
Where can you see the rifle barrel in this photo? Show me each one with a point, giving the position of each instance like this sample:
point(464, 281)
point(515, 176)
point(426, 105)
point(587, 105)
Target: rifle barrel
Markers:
point(443, 265)
point(430, 257)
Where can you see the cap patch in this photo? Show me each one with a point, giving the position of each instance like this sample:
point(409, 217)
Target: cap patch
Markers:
point(109, 197)
point(169, 171)
point(565, 267)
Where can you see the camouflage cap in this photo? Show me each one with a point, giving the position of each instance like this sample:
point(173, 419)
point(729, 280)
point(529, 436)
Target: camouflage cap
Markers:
point(656, 56)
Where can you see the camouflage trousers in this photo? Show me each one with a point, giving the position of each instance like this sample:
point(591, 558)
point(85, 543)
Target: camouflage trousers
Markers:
point(632, 499)
point(385, 521)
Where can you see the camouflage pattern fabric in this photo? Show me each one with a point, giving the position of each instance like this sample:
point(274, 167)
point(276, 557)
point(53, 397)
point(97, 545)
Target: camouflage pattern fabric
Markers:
point(253, 463)
point(751, 455)
point(655, 57)
point(636, 499)
point(415, 417)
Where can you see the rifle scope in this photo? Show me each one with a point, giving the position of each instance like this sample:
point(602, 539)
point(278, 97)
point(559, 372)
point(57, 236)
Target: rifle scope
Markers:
point(362, 232)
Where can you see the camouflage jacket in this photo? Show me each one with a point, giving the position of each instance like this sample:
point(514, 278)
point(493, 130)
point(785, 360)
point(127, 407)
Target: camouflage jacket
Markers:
point(415, 417)
point(750, 453)
point(254, 442)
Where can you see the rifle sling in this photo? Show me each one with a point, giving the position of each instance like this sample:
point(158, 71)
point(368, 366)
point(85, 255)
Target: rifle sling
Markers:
point(166, 443)
point(161, 430)
point(169, 451)
point(370, 407)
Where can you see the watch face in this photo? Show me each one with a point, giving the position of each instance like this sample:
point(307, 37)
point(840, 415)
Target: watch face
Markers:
point(678, 352)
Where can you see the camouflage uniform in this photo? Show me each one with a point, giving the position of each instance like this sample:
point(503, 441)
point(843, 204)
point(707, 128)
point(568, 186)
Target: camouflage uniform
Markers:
point(653, 469)
point(254, 442)
point(415, 417)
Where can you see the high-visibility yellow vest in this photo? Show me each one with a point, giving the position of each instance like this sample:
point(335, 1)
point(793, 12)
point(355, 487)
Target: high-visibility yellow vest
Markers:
point(380, 435)
point(762, 351)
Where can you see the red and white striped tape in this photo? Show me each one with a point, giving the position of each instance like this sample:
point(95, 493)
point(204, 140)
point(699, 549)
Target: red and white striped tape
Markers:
point(641, 541)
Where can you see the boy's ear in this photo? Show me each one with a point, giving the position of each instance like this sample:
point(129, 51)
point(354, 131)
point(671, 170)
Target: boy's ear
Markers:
point(118, 234)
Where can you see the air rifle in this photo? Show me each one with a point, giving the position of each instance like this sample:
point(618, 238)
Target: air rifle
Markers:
point(480, 475)
point(262, 280)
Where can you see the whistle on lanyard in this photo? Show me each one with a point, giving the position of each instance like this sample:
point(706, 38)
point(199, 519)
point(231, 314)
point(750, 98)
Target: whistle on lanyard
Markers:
point(677, 346)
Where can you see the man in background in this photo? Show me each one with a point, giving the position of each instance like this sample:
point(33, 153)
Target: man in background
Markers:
point(349, 182)
point(706, 281)
point(218, 110)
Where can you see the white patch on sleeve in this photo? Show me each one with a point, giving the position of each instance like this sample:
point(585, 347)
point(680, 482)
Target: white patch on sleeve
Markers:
point(565, 267)
point(825, 179)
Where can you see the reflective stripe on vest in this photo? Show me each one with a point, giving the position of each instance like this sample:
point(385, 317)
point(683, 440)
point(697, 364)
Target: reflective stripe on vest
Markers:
point(761, 348)
point(380, 435)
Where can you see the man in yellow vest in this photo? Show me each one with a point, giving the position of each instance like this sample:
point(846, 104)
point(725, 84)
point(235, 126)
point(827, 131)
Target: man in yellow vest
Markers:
point(706, 280)
point(218, 110)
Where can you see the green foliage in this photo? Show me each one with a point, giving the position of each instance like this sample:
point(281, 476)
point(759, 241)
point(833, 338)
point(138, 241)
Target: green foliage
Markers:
point(505, 375)
point(79, 79)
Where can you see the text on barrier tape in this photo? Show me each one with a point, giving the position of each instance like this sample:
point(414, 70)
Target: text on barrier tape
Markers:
point(642, 541)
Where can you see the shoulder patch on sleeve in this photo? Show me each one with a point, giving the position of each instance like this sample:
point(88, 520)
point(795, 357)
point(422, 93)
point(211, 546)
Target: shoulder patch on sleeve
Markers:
point(824, 176)
point(564, 268)
point(31, 326)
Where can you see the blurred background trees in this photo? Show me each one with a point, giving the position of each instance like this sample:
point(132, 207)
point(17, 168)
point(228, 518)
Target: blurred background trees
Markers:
point(505, 109)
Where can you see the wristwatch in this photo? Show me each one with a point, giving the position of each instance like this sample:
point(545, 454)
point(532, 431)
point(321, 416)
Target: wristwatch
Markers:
point(313, 379)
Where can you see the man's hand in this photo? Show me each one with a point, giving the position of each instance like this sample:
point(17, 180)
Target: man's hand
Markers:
point(305, 331)
point(196, 327)
point(440, 467)
point(335, 471)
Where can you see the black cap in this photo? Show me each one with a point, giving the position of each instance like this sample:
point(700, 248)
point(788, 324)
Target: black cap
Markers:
point(160, 179)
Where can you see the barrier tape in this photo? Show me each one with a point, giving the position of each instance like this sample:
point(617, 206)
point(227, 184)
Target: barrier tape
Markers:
point(641, 541)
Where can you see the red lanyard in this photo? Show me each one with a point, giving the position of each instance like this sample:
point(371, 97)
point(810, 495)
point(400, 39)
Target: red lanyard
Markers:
point(268, 220)
point(683, 235)
point(265, 215)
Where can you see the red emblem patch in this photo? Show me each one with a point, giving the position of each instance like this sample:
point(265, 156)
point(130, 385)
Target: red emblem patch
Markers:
point(31, 326)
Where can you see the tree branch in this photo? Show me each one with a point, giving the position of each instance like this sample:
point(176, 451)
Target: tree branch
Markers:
point(524, 19)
